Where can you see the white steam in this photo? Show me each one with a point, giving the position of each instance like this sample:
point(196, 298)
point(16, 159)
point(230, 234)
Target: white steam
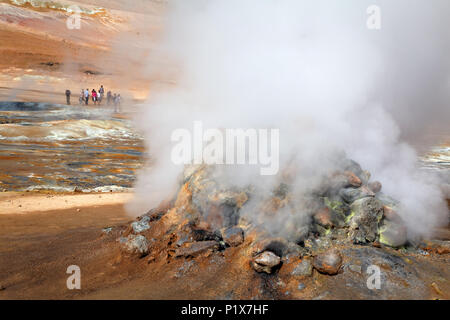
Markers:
point(313, 70)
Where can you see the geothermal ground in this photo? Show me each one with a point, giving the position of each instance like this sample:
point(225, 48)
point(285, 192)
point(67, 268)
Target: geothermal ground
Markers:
point(62, 168)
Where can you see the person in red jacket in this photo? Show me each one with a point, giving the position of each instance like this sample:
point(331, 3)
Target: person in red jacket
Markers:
point(94, 96)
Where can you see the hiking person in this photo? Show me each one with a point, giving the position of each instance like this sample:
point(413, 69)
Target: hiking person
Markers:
point(94, 96)
point(101, 92)
point(81, 98)
point(68, 93)
point(119, 98)
point(108, 98)
point(114, 98)
point(86, 96)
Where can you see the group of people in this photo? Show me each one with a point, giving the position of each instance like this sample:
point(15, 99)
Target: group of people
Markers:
point(97, 97)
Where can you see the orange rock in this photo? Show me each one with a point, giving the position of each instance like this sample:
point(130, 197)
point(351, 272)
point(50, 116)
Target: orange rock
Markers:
point(323, 217)
point(353, 179)
point(328, 262)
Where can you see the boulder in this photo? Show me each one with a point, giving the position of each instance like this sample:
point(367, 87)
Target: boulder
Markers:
point(233, 236)
point(328, 262)
point(364, 219)
point(266, 262)
point(350, 195)
point(393, 234)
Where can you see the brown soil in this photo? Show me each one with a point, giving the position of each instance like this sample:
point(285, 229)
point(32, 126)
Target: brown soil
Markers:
point(36, 249)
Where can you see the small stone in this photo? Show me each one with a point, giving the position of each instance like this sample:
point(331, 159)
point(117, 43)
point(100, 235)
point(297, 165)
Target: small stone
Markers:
point(140, 226)
point(195, 248)
point(107, 230)
point(355, 268)
point(328, 262)
point(233, 236)
point(301, 286)
point(436, 288)
point(303, 268)
point(266, 262)
point(78, 210)
point(137, 245)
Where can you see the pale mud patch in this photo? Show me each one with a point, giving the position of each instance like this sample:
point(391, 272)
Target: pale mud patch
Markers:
point(23, 203)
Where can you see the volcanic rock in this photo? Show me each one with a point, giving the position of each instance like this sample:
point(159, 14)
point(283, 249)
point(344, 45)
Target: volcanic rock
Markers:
point(196, 248)
point(303, 268)
point(366, 213)
point(323, 218)
point(391, 215)
point(233, 236)
point(375, 186)
point(352, 179)
point(266, 262)
point(136, 245)
point(350, 195)
point(328, 262)
point(352, 166)
point(436, 246)
point(393, 234)
point(141, 225)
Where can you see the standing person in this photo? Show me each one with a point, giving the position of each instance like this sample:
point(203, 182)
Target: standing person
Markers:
point(101, 92)
point(94, 96)
point(114, 98)
point(108, 98)
point(119, 98)
point(86, 96)
point(68, 93)
point(81, 98)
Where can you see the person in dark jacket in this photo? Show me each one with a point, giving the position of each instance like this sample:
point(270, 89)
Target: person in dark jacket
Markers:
point(68, 93)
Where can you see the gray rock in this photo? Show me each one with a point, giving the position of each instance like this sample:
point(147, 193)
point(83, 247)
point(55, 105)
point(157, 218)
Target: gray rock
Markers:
point(141, 225)
point(350, 195)
point(328, 262)
point(363, 221)
point(107, 230)
point(301, 286)
point(303, 268)
point(136, 245)
point(196, 248)
point(233, 236)
point(393, 234)
point(355, 268)
point(266, 262)
point(375, 186)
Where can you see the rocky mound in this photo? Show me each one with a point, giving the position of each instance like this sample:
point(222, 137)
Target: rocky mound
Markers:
point(339, 229)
